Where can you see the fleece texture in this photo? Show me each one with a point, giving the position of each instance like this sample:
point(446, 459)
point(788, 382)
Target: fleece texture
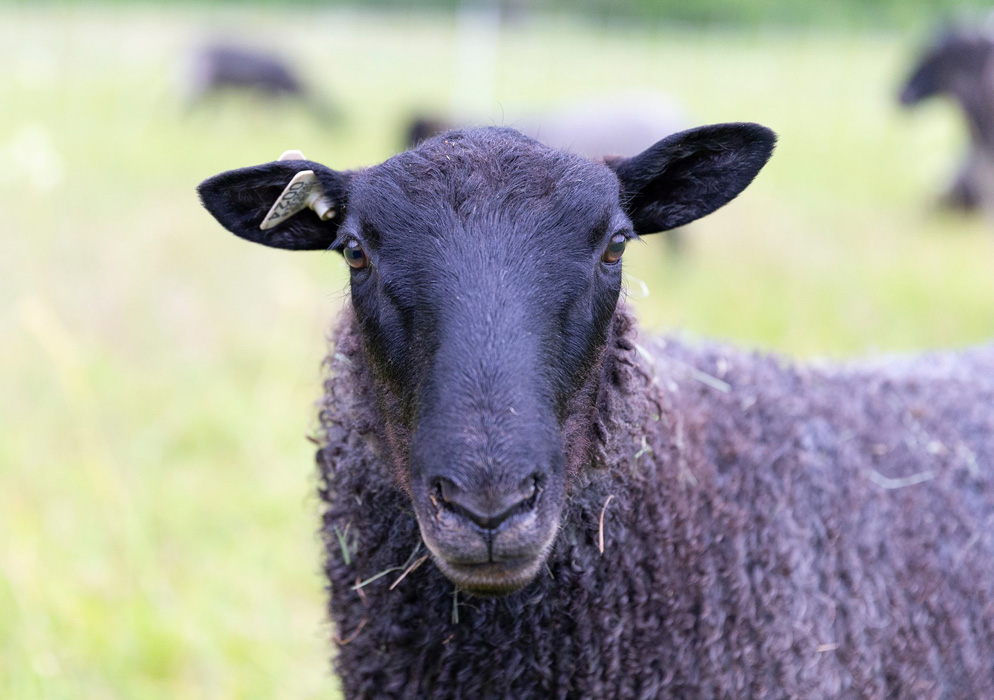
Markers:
point(769, 530)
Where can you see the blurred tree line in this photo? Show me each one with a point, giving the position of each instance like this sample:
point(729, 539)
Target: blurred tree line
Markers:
point(839, 13)
point(717, 13)
point(783, 12)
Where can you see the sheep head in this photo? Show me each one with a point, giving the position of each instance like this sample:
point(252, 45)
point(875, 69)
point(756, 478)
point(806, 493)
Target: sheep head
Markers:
point(957, 65)
point(485, 271)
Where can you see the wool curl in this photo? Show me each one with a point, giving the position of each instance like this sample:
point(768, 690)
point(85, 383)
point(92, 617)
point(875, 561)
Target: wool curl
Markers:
point(769, 530)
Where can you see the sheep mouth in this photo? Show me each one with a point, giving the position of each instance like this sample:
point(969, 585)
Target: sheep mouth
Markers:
point(493, 578)
point(494, 566)
point(490, 561)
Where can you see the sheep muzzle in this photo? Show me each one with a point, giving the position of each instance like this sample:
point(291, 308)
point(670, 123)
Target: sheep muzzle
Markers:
point(490, 555)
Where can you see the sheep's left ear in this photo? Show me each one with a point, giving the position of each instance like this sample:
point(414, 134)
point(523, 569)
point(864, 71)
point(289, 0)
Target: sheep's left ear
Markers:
point(690, 174)
point(311, 200)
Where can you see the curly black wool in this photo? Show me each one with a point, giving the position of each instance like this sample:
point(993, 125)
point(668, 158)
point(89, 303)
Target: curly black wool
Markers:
point(769, 530)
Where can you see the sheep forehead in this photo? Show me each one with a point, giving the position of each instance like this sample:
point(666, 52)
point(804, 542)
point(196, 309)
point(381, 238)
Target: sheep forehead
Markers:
point(491, 174)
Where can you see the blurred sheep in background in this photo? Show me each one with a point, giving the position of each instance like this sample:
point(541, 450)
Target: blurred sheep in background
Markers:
point(218, 67)
point(959, 66)
point(616, 124)
point(621, 124)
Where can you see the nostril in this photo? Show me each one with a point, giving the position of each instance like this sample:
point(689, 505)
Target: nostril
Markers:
point(487, 508)
point(435, 493)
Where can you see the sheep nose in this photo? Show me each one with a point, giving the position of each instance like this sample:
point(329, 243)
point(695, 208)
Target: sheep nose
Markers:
point(490, 508)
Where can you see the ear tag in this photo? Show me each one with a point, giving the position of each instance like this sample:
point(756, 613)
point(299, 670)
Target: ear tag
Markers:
point(303, 192)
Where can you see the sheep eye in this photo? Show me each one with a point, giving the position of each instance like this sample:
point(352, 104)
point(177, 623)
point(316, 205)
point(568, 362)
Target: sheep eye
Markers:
point(355, 256)
point(615, 248)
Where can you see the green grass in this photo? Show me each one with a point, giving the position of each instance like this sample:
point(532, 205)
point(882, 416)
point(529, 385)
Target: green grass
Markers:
point(158, 375)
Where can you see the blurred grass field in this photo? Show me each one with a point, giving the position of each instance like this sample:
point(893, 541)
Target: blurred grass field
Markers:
point(157, 375)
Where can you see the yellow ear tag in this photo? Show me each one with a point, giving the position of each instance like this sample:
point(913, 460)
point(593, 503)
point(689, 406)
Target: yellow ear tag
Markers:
point(303, 192)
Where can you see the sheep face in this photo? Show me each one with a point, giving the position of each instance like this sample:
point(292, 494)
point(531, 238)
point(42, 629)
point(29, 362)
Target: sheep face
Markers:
point(485, 274)
point(484, 300)
point(954, 66)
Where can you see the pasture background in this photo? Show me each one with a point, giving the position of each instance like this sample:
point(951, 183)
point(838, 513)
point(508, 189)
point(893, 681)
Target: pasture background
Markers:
point(157, 375)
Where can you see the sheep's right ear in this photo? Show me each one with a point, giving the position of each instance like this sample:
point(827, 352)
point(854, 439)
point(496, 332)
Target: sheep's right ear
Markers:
point(242, 200)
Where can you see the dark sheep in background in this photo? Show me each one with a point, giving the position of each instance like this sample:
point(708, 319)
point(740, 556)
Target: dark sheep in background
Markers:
point(422, 127)
point(525, 499)
point(960, 66)
point(218, 67)
point(619, 124)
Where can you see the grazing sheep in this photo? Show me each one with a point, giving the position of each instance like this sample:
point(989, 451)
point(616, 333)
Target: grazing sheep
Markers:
point(217, 67)
point(960, 66)
point(523, 499)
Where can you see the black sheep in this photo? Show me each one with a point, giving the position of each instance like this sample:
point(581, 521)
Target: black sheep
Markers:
point(960, 66)
point(219, 67)
point(524, 500)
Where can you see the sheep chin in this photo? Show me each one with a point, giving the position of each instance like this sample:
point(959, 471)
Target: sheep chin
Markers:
point(479, 576)
point(491, 579)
